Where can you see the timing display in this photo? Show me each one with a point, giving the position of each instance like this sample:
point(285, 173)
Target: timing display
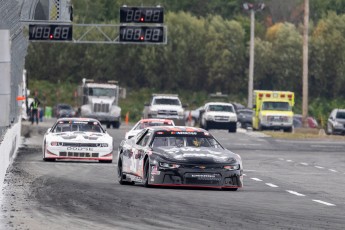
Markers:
point(50, 32)
point(142, 34)
point(141, 14)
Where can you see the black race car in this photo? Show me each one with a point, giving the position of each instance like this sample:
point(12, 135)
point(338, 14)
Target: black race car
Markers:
point(178, 156)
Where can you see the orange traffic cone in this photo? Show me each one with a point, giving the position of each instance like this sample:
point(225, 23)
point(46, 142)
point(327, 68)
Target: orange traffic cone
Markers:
point(127, 118)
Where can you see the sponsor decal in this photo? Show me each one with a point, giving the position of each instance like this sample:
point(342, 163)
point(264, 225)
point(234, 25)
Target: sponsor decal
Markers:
point(154, 170)
point(184, 133)
point(80, 148)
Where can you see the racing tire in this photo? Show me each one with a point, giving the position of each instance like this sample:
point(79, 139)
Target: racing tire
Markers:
point(105, 161)
point(47, 159)
point(120, 175)
point(146, 173)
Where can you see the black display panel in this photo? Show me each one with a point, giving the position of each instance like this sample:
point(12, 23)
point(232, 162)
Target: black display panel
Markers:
point(141, 14)
point(50, 32)
point(142, 34)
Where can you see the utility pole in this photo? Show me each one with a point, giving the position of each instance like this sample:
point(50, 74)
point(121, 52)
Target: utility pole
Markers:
point(305, 64)
point(252, 8)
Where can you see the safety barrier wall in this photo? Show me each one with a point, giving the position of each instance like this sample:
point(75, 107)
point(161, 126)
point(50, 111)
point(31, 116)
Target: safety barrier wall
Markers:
point(13, 49)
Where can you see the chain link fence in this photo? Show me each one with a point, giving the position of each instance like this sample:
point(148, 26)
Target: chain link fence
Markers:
point(10, 11)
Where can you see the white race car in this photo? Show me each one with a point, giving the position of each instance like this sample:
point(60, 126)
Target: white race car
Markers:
point(144, 123)
point(77, 139)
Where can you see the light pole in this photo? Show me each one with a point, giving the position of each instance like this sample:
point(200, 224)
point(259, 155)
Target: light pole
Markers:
point(305, 64)
point(252, 7)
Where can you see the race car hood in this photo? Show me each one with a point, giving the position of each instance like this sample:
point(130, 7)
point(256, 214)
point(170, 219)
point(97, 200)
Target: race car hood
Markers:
point(78, 136)
point(200, 155)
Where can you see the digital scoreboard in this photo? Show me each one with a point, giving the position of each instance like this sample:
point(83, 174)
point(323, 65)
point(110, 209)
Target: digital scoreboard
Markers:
point(141, 14)
point(56, 32)
point(141, 34)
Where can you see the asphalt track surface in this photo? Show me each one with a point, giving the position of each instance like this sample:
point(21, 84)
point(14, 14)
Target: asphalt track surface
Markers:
point(288, 184)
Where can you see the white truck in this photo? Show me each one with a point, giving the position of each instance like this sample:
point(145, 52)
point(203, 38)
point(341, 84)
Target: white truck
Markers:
point(166, 106)
point(218, 115)
point(100, 101)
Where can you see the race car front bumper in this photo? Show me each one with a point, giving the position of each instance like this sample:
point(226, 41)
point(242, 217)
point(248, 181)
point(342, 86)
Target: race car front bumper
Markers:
point(196, 176)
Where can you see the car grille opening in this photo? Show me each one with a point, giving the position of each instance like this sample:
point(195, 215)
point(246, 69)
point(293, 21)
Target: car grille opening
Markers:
point(100, 107)
point(202, 178)
point(167, 112)
point(77, 154)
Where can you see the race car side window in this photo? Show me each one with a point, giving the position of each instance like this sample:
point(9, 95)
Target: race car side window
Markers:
point(140, 136)
point(145, 139)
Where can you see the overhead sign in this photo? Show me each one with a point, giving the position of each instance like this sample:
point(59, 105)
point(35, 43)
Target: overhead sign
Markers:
point(50, 32)
point(141, 14)
point(141, 34)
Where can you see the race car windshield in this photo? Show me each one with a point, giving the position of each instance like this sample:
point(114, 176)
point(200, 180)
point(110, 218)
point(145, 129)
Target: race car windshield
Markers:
point(78, 127)
point(185, 141)
point(166, 101)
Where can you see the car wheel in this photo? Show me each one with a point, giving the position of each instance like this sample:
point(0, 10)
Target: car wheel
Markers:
point(288, 130)
point(108, 125)
point(44, 158)
point(146, 173)
point(120, 175)
point(116, 124)
point(206, 127)
point(232, 127)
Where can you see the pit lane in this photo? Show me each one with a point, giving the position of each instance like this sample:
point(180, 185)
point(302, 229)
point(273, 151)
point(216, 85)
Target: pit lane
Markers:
point(283, 189)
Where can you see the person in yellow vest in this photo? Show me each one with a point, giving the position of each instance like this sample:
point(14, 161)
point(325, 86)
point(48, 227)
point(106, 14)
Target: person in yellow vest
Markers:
point(34, 110)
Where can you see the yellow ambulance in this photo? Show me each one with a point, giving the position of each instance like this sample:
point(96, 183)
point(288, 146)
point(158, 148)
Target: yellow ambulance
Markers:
point(272, 110)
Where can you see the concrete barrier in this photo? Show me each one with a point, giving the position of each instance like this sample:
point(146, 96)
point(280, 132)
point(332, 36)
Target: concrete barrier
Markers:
point(8, 149)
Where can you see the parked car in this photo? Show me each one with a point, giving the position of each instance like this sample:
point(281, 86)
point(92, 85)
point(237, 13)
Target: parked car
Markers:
point(297, 122)
point(336, 122)
point(244, 117)
point(64, 110)
point(219, 115)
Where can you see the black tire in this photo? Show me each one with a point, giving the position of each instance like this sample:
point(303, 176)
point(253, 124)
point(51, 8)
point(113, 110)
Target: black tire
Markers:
point(288, 130)
point(120, 175)
point(108, 125)
point(146, 173)
point(206, 127)
point(233, 128)
point(47, 159)
point(116, 124)
point(105, 161)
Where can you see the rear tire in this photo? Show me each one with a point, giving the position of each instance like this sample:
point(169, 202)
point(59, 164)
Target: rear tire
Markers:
point(120, 175)
point(146, 173)
point(116, 124)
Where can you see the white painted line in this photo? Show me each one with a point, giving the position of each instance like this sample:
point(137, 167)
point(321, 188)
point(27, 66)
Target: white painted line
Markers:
point(333, 170)
point(289, 160)
point(244, 174)
point(250, 170)
point(272, 185)
point(256, 179)
point(281, 159)
point(295, 193)
point(319, 167)
point(245, 144)
point(303, 163)
point(323, 202)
